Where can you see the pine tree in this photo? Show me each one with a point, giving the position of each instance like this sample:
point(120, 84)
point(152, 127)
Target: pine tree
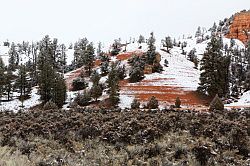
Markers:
point(151, 54)
point(247, 55)
point(167, 43)
point(152, 103)
point(2, 77)
point(23, 84)
point(59, 90)
point(116, 47)
point(79, 84)
point(80, 52)
point(83, 99)
point(8, 88)
point(215, 70)
point(104, 63)
point(141, 39)
point(104, 68)
point(61, 61)
point(136, 74)
point(13, 57)
point(216, 104)
point(113, 85)
point(213, 29)
point(198, 32)
point(191, 54)
point(177, 103)
point(46, 71)
point(89, 58)
point(121, 69)
point(99, 49)
point(51, 83)
point(135, 104)
point(96, 89)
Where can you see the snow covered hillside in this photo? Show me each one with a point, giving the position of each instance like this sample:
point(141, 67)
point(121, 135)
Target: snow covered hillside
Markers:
point(179, 79)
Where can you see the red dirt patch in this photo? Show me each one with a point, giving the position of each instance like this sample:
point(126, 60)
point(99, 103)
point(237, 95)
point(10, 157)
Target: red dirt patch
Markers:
point(165, 94)
point(71, 76)
point(97, 62)
point(127, 55)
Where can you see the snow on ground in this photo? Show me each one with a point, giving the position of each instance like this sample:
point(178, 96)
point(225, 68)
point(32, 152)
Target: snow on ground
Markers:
point(4, 54)
point(135, 47)
point(70, 56)
point(15, 104)
point(244, 101)
point(125, 101)
point(180, 74)
point(201, 47)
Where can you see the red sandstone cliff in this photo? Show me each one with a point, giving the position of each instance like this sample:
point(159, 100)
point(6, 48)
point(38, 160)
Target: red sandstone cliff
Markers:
point(240, 28)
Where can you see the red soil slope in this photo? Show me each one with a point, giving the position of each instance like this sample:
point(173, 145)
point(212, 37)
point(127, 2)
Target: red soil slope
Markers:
point(165, 94)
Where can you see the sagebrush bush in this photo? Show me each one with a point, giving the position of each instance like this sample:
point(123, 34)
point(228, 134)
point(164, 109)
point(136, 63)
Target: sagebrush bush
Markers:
point(50, 105)
point(152, 103)
point(177, 103)
point(135, 104)
point(216, 104)
point(83, 99)
point(79, 84)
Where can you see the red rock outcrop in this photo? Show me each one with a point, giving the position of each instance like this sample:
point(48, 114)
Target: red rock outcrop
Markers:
point(240, 28)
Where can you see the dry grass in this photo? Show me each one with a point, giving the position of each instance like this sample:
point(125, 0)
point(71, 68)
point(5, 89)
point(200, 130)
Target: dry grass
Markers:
point(143, 137)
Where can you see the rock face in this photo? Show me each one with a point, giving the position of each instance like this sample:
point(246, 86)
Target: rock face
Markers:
point(240, 28)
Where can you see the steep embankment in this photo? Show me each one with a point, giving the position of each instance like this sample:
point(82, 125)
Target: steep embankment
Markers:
point(240, 27)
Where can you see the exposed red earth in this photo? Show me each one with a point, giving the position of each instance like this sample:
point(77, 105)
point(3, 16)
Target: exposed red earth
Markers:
point(165, 94)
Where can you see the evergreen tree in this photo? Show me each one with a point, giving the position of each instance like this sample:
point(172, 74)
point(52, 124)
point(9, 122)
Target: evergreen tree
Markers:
point(2, 66)
point(104, 68)
point(121, 69)
point(99, 49)
point(113, 85)
point(247, 55)
point(198, 32)
point(247, 81)
point(13, 57)
point(191, 55)
point(89, 58)
point(151, 54)
point(8, 88)
point(135, 104)
point(141, 39)
point(46, 71)
point(214, 78)
point(95, 77)
point(216, 104)
point(61, 61)
point(79, 84)
point(152, 103)
point(96, 89)
point(116, 47)
point(51, 83)
point(22, 82)
point(104, 63)
point(136, 74)
point(177, 103)
point(83, 99)
point(213, 29)
point(59, 90)
point(167, 43)
point(80, 52)
point(137, 69)
point(166, 63)
point(2, 77)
